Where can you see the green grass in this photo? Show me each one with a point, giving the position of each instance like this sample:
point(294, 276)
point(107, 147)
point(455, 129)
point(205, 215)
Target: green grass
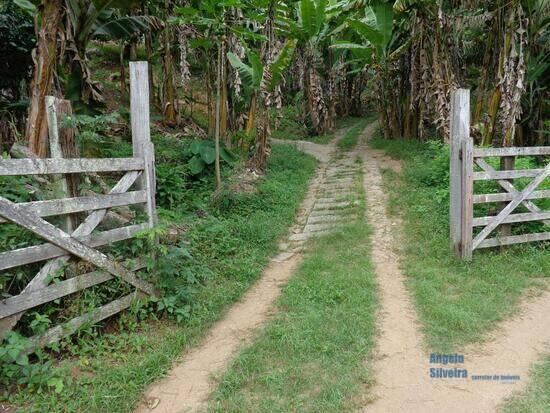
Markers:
point(351, 137)
point(311, 357)
point(459, 303)
point(536, 398)
point(233, 243)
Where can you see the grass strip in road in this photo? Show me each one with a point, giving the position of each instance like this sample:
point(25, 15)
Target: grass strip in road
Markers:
point(458, 302)
point(311, 355)
point(351, 137)
point(536, 398)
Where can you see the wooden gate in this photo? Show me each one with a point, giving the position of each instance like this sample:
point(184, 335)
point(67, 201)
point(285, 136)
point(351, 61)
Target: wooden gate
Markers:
point(468, 165)
point(81, 242)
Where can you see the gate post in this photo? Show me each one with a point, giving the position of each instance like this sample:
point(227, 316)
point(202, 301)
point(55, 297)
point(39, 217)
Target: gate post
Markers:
point(139, 111)
point(459, 131)
point(466, 247)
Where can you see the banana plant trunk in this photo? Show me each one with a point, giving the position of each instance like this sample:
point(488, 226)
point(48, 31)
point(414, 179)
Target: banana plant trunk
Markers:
point(170, 108)
point(224, 115)
point(251, 121)
point(44, 71)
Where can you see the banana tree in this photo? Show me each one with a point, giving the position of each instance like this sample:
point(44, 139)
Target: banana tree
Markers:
point(84, 20)
point(262, 79)
point(43, 73)
point(311, 29)
point(370, 40)
point(89, 19)
point(210, 21)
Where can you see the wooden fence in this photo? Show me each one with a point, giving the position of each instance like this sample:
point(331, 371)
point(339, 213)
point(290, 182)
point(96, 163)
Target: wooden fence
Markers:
point(468, 165)
point(64, 243)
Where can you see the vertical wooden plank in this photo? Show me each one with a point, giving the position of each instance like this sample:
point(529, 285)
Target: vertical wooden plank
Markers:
point(507, 163)
point(69, 150)
point(467, 198)
point(62, 187)
point(150, 182)
point(139, 110)
point(460, 130)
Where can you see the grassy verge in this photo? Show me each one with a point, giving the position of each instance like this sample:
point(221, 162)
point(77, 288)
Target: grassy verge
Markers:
point(536, 398)
point(233, 242)
point(311, 356)
point(458, 302)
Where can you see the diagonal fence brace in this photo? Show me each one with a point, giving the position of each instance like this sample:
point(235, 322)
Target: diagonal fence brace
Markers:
point(51, 233)
point(51, 267)
point(518, 199)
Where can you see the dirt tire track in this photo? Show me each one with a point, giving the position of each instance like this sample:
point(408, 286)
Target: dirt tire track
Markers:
point(188, 384)
point(402, 364)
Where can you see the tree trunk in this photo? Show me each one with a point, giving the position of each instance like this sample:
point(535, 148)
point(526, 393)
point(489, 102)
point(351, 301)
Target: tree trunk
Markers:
point(251, 122)
point(218, 120)
point(122, 70)
point(43, 74)
point(149, 53)
point(492, 117)
point(209, 103)
point(223, 94)
point(480, 98)
point(170, 108)
point(259, 160)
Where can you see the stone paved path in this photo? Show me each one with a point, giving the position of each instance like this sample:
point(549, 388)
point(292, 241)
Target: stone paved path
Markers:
point(335, 198)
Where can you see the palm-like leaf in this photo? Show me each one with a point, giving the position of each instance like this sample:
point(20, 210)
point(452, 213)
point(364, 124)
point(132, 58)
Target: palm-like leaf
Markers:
point(384, 20)
point(308, 17)
point(281, 63)
point(250, 75)
point(128, 26)
point(245, 71)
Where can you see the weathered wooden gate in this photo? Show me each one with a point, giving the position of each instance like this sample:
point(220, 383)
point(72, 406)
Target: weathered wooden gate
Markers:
point(81, 242)
point(467, 165)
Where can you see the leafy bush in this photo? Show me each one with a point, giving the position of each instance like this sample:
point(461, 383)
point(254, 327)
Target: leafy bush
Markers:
point(16, 367)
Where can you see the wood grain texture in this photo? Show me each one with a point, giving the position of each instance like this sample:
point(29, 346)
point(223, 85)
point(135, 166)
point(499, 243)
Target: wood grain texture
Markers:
point(15, 167)
point(500, 197)
point(512, 218)
point(27, 300)
point(512, 151)
point(56, 236)
point(514, 174)
point(37, 253)
point(139, 110)
point(459, 130)
point(81, 204)
point(90, 223)
point(56, 333)
point(514, 239)
point(466, 248)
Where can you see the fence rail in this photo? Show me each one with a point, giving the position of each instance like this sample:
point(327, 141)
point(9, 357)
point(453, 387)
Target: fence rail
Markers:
point(464, 159)
point(64, 243)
